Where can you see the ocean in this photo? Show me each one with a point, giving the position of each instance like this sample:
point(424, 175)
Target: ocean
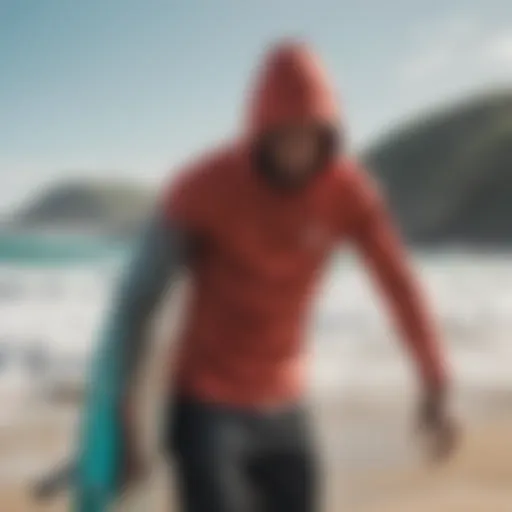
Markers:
point(53, 296)
point(52, 303)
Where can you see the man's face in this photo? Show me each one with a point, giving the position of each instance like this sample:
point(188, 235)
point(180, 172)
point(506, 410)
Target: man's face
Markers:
point(297, 151)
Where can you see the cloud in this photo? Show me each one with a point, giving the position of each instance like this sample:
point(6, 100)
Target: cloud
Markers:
point(454, 48)
point(436, 47)
point(425, 65)
point(498, 48)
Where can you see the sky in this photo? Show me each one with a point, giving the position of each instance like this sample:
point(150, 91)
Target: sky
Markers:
point(131, 88)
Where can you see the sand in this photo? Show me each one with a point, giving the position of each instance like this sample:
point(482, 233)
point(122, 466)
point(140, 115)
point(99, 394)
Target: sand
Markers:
point(371, 461)
point(477, 479)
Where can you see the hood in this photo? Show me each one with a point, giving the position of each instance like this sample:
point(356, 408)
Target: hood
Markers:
point(291, 87)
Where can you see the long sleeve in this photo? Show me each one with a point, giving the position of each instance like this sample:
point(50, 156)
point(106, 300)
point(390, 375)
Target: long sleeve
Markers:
point(383, 252)
point(155, 265)
point(163, 251)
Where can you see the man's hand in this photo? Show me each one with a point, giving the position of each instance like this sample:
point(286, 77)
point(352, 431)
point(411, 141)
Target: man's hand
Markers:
point(438, 425)
point(134, 464)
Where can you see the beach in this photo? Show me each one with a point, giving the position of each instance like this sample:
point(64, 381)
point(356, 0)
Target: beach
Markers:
point(477, 479)
point(363, 390)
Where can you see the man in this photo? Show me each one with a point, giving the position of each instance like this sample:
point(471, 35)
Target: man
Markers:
point(254, 222)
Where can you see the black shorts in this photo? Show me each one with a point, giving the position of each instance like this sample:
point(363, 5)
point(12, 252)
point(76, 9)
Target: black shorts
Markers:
point(236, 460)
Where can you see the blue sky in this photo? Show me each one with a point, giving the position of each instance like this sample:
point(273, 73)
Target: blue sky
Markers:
point(132, 87)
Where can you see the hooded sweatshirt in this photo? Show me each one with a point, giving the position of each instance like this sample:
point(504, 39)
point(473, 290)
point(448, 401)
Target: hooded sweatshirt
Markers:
point(258, 253)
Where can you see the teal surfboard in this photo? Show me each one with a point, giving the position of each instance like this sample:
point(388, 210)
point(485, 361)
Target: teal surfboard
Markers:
point(99, 451)
point(96, 480)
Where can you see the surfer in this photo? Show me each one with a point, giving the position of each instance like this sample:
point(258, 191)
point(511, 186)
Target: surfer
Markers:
point(253, 222)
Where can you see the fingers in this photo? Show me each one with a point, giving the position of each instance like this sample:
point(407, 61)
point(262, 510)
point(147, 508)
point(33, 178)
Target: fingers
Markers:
point(443, 440)
point(447, 440)
point(439, 429)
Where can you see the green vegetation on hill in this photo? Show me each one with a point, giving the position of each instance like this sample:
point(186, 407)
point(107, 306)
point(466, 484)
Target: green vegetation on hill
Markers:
point(449, 176)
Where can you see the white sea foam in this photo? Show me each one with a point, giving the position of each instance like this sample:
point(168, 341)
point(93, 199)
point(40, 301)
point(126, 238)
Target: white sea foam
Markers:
point(57, 311)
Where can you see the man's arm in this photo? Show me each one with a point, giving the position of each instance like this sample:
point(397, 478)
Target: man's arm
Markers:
point(156, 264)
point(158, 259)
point(382, 249)
point(380, 245)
